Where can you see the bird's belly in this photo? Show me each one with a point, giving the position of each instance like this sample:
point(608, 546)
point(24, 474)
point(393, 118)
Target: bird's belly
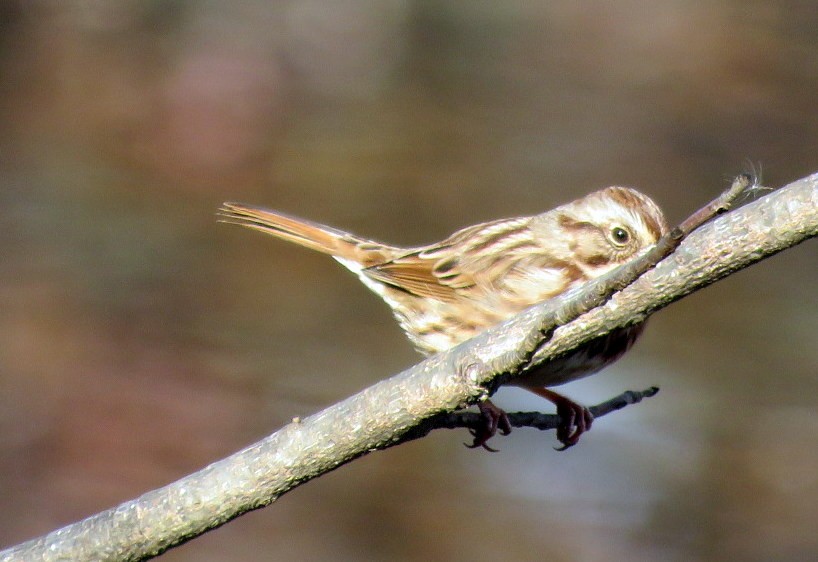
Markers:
point(438, 326)
point(586, 360)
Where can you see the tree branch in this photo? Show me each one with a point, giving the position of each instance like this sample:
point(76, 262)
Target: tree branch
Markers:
point(389, 411)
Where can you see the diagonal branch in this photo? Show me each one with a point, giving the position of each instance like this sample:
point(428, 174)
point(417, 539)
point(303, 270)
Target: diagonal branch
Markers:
point(387, 412)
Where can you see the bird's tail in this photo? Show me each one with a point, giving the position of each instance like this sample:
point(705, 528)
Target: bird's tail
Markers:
point(326, 239)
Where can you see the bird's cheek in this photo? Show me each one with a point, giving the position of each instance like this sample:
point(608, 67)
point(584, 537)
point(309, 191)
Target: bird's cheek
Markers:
point(591, 254)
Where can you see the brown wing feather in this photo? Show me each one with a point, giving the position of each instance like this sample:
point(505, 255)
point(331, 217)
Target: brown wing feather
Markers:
point(414, 274)
point(447, 269)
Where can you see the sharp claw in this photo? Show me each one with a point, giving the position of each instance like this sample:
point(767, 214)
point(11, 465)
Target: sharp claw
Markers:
point(494, 420)
point(480, 441)
point(575, 419)
point(483, 444)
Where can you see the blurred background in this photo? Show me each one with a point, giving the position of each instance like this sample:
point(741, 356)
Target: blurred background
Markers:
point(140, 340)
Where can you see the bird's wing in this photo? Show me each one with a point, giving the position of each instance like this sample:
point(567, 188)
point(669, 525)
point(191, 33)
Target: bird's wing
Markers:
point(495, 257)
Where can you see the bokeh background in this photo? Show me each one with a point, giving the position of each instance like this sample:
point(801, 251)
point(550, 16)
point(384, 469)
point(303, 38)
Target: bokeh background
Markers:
point(141, 340)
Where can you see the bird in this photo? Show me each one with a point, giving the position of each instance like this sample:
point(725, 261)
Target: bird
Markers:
point(446, 292)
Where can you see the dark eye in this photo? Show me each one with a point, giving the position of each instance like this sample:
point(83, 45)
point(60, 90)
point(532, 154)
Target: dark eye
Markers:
point(620, 236)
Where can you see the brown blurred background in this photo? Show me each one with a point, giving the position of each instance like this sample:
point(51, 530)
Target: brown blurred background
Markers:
point(141, 340)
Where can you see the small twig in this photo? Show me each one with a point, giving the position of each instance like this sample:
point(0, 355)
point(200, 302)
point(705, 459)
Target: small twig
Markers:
point(536, 420)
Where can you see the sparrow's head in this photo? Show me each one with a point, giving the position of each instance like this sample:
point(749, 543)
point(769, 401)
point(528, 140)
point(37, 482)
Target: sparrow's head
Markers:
point(609, 227)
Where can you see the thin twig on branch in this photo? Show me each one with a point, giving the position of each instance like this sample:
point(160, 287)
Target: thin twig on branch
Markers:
point(381, 415)
point(535, 420)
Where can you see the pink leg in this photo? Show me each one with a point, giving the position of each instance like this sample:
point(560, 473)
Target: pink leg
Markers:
point(575, 418)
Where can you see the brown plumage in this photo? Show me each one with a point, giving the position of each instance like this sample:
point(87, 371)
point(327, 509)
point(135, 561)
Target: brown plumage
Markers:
point(447, 292)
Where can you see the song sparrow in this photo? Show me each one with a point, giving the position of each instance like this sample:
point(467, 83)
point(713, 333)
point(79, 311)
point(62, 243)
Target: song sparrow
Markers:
point(447, 292)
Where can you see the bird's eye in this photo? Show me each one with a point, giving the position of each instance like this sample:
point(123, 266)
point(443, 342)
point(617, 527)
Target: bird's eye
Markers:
point(620, 236)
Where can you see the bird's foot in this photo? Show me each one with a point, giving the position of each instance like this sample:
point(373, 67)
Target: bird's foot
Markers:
point(494, 419)
point(575, 419)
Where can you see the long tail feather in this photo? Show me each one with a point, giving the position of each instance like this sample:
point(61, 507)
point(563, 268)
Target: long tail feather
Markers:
point(309, 234)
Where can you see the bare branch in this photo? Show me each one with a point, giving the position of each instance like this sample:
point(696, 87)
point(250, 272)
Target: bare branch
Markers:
point(387, 412)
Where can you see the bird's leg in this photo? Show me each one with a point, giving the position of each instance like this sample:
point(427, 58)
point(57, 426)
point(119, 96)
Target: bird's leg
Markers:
point(494, 420)
point(575, 419)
